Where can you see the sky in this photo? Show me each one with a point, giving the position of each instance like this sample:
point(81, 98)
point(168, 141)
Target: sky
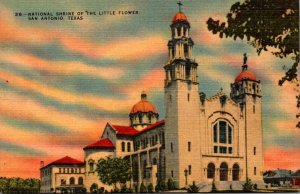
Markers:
point(61, 81)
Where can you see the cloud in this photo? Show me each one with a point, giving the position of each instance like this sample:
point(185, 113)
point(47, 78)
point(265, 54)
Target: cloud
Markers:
point(19, 107)
point(102, 103)
point(60, 67)
point(276, 157)
point(152, 81)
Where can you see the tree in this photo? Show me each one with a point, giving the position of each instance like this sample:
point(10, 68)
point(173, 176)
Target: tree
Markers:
point(114, 170)
point(94, 188)
point(268, 25)
point(193, 188)
point(248, 186)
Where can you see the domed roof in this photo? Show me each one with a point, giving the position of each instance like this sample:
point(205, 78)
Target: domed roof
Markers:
point(179, 17)
point(143, 106)
point(245, 75)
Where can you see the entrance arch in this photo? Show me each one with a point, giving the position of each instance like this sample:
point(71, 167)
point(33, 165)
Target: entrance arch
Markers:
point(210, 171)
point(235, 172)
point(223, 172)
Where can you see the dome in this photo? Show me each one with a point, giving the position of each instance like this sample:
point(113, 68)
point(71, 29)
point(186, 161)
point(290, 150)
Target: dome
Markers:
point(179, 17)
point(143, 106)
point(245, 75)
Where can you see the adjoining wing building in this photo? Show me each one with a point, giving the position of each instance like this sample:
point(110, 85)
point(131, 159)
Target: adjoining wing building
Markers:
point(201, 139)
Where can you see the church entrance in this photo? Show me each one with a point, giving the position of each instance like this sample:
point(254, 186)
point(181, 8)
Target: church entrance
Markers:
point(223, 172)
point(235, 172)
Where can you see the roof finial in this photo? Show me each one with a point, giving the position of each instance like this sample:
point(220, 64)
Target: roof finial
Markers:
point(245, 58)
point(143, 95)
point(179, 5)
point(245, 66)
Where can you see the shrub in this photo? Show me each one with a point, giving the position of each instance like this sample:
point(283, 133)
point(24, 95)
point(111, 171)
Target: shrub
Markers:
point(143, 188)
point(193, 188)
point(94, 188)
point(124, 189)
point(248, 186)
point(150, 188)
point(101, 190)
point(255, 186)
point(171, 184)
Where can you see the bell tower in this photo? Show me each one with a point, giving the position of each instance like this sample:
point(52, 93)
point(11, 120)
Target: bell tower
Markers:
point(182, 106)
point(246, 92)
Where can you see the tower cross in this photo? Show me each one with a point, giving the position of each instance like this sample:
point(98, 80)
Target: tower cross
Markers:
point(179, 5)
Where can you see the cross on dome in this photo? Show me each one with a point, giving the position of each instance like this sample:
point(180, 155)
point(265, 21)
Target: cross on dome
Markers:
point(179, 5)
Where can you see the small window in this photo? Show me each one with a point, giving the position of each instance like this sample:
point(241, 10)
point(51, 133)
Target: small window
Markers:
point(215, 149)
point(254, 170)
point(64, 170)
point(170, 98)
point(222, 137)
point(128, 147)
point(123, 146)
point(254, 151)
point(91, 165)
point(68, 170)
point(189, 146)
point(253, 108)
point(188, 97)
point(72, 181)
point(215, 133)
point(223, 149)
point(80, 181)
point(59, 170)
point(230, 150)
point(72, 170)
point(172, 174)
point(62, 181)
point(190, 169)
point(229, 134)
point(171, 147)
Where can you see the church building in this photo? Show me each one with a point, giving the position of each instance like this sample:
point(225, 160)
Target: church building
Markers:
point(201, 139)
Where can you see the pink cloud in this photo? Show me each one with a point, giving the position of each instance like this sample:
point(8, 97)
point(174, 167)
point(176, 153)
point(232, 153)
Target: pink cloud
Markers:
point(60, 67)
point(283, 158)
point(151, 82)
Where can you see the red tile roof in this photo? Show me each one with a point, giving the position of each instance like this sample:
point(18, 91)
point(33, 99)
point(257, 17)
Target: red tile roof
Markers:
point(130, 131)
point(102, 143)
point(65, 161)
point(125, 130)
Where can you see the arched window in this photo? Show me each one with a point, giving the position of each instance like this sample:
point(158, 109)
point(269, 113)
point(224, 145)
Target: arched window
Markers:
point(210, 171)
point(140, 118)
point(186, 50)
point(128, 147)
point(149, 118)
point(80, 181)
point(72, 181)
point(123, 146)
point(223, 172)
point(179, 31)
point(235, 172)
point(91, 165)
point(222, 134)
